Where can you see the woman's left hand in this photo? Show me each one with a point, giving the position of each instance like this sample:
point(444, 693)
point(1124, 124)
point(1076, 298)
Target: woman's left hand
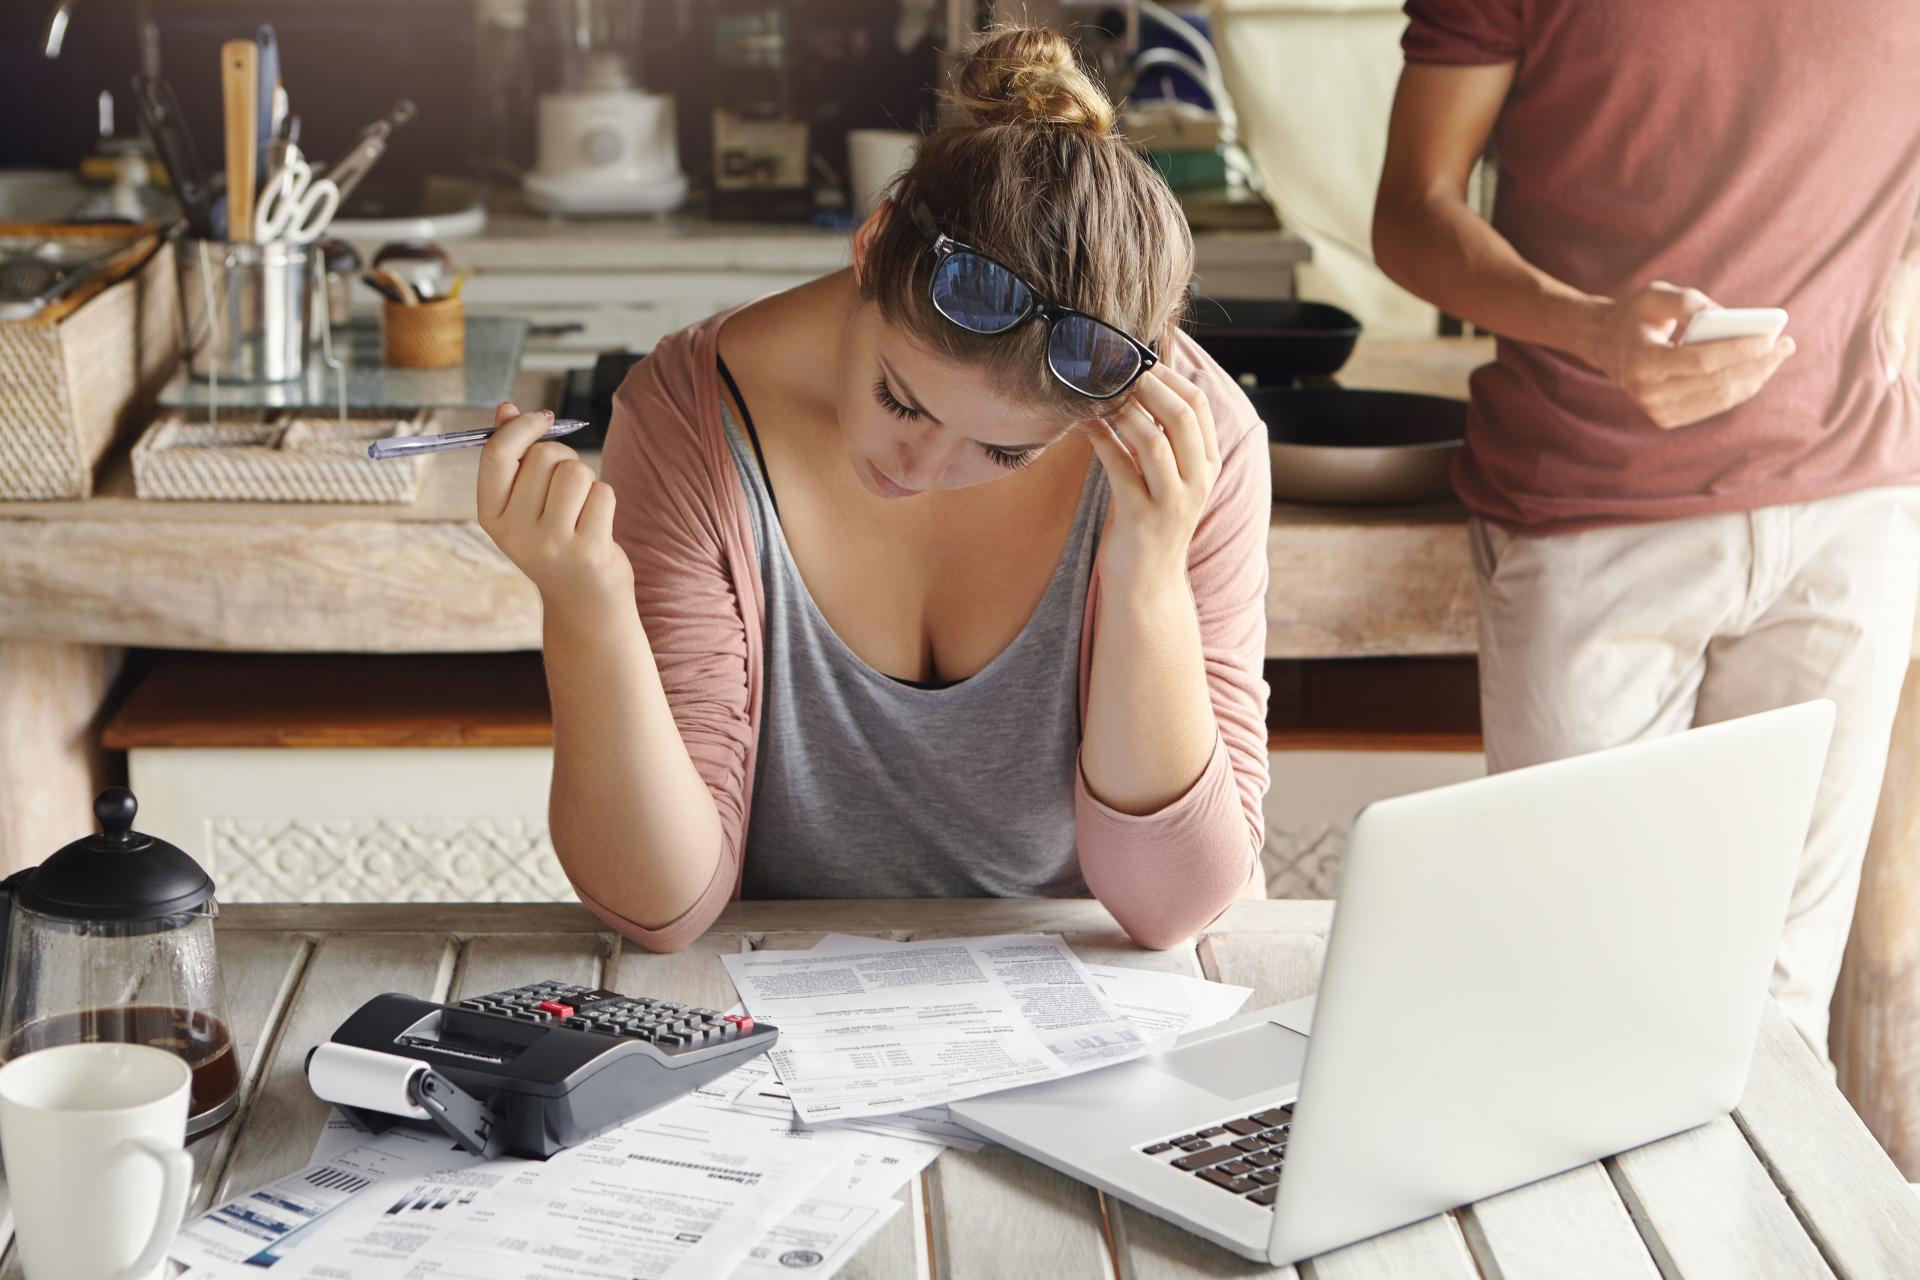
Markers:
point(1160, 480)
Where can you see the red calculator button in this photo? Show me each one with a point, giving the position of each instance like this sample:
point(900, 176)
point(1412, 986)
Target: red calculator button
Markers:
point(555, 1008)
point(741, 1021)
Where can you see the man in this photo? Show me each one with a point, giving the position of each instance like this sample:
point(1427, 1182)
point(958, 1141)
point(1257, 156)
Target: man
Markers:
point(1670, 535)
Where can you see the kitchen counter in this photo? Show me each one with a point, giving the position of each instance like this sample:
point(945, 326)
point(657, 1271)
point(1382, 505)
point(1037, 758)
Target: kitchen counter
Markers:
point(1790, 1184)
point(114, 570)
point(517, 238)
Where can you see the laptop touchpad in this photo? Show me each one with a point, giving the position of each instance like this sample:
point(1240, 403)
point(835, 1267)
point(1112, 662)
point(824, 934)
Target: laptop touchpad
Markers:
point(1256, 1059)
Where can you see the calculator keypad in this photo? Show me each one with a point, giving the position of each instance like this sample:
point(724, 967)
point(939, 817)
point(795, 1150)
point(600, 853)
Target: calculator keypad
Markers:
point(663, 1023)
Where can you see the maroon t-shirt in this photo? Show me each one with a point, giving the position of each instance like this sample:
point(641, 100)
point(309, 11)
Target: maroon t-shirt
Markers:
point(1766, 152)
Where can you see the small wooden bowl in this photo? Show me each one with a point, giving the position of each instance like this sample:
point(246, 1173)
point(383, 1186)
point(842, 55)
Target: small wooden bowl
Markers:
point(426, 335)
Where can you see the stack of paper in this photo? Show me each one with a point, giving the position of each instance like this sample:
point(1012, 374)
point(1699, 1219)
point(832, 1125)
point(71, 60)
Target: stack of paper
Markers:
point(728, 1181)
point(876, 1028)
point(1159, 1006)
point(695, 1188)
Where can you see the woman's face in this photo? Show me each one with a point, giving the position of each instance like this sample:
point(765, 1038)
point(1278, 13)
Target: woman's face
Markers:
point(913, 421)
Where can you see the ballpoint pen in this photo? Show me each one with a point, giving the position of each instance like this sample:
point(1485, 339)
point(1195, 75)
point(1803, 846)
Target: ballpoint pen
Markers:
point(406, 446)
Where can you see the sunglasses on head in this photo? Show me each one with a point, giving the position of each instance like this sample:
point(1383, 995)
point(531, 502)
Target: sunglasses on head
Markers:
point(980, 295)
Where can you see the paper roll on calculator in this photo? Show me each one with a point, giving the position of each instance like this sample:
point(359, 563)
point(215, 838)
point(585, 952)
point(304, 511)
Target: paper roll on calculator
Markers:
point(348, 1076)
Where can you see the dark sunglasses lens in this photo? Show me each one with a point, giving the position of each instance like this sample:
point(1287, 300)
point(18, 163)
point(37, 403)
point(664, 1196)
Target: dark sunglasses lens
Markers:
point(978, 294)
point(1094, 359)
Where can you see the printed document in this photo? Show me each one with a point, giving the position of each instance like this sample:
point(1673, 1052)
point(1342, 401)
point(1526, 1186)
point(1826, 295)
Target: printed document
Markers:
point(897, 1026)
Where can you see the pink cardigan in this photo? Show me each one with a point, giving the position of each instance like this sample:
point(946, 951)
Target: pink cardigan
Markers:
point(682, 518)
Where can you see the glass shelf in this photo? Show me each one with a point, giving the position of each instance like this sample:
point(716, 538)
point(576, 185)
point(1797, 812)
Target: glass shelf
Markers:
point(494, 347)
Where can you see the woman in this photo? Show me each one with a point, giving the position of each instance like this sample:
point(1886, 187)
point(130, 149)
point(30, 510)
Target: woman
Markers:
point(866, 538)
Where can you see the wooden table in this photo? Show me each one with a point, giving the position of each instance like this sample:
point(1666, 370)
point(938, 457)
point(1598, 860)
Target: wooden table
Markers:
point(1791, 1185)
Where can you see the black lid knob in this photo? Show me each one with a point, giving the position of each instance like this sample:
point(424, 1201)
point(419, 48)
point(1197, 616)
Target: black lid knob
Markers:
point(120, 874)
point(114, 808)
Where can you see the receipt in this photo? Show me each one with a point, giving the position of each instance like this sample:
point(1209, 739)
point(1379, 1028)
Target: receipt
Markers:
point(257, 1229)
point(1159, 1004)
point(667, 1196)
point(899, 1026)
point(450, 1224)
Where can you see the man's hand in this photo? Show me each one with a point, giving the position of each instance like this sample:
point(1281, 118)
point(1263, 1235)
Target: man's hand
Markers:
point(1636, 345)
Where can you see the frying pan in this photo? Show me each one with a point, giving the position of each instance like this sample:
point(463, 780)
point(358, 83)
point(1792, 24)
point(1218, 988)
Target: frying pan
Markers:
point(1270, 342)
point(1329, 445)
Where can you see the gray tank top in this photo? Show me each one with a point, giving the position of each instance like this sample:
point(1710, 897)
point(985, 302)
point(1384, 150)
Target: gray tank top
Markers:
point(871, 787)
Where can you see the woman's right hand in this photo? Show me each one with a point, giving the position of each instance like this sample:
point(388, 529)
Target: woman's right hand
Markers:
point(552, 517)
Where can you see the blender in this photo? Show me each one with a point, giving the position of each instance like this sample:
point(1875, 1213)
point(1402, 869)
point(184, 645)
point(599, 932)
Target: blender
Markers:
point(605, 146)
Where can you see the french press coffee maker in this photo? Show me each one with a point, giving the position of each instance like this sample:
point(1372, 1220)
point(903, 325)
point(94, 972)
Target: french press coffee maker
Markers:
point(111, 939)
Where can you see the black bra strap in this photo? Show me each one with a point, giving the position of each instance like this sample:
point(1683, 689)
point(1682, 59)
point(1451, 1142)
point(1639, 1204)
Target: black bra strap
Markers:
point(753, 437)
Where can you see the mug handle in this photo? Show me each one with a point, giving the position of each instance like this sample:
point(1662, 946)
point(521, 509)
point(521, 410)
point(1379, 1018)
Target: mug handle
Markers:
point(176, 1172)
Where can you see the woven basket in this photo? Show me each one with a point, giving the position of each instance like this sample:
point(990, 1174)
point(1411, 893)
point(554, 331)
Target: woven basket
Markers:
point(295, 458)
point(73, 377)
point(426, 335)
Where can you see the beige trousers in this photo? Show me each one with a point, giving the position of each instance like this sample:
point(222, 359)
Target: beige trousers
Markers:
point(1590, 640)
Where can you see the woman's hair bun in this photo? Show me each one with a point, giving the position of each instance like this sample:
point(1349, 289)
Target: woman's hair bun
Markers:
point(1029, 75)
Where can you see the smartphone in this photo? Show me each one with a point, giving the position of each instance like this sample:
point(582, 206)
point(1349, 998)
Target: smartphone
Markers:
point(1721, 323)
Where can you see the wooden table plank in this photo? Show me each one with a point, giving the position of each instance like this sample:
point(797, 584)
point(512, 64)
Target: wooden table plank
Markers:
point(495, 963)
point(997, 1213)
point(1569, 1227)
point(1278, 968)
point(1845, 1189)
point(1708, 1210)
point(1429, 1250)
point(283, 1118)
point(694, 976)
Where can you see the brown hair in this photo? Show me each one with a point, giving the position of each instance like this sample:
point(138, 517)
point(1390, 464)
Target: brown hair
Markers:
point(1035, 177)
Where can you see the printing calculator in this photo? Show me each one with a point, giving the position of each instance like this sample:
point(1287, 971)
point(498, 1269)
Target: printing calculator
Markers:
point(535, 1069)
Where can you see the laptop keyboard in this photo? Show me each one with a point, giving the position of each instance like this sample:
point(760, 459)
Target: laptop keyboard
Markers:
point(1242, 1156)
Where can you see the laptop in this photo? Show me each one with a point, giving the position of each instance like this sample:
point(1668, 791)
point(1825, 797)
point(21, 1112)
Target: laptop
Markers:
point(1526, 972)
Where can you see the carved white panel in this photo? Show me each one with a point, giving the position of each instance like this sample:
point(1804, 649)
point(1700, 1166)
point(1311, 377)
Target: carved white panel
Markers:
point(297, 824)
point(1315, 796)
point(385, 860)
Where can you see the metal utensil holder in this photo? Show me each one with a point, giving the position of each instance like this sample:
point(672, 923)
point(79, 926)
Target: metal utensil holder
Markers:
point(247, 309)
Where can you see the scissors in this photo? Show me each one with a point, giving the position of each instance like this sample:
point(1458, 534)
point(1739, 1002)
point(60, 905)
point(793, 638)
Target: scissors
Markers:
point(295, 205)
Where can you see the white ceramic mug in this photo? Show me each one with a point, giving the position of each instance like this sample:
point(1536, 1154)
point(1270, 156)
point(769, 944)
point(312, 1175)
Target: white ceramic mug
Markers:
point(92, 1137)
